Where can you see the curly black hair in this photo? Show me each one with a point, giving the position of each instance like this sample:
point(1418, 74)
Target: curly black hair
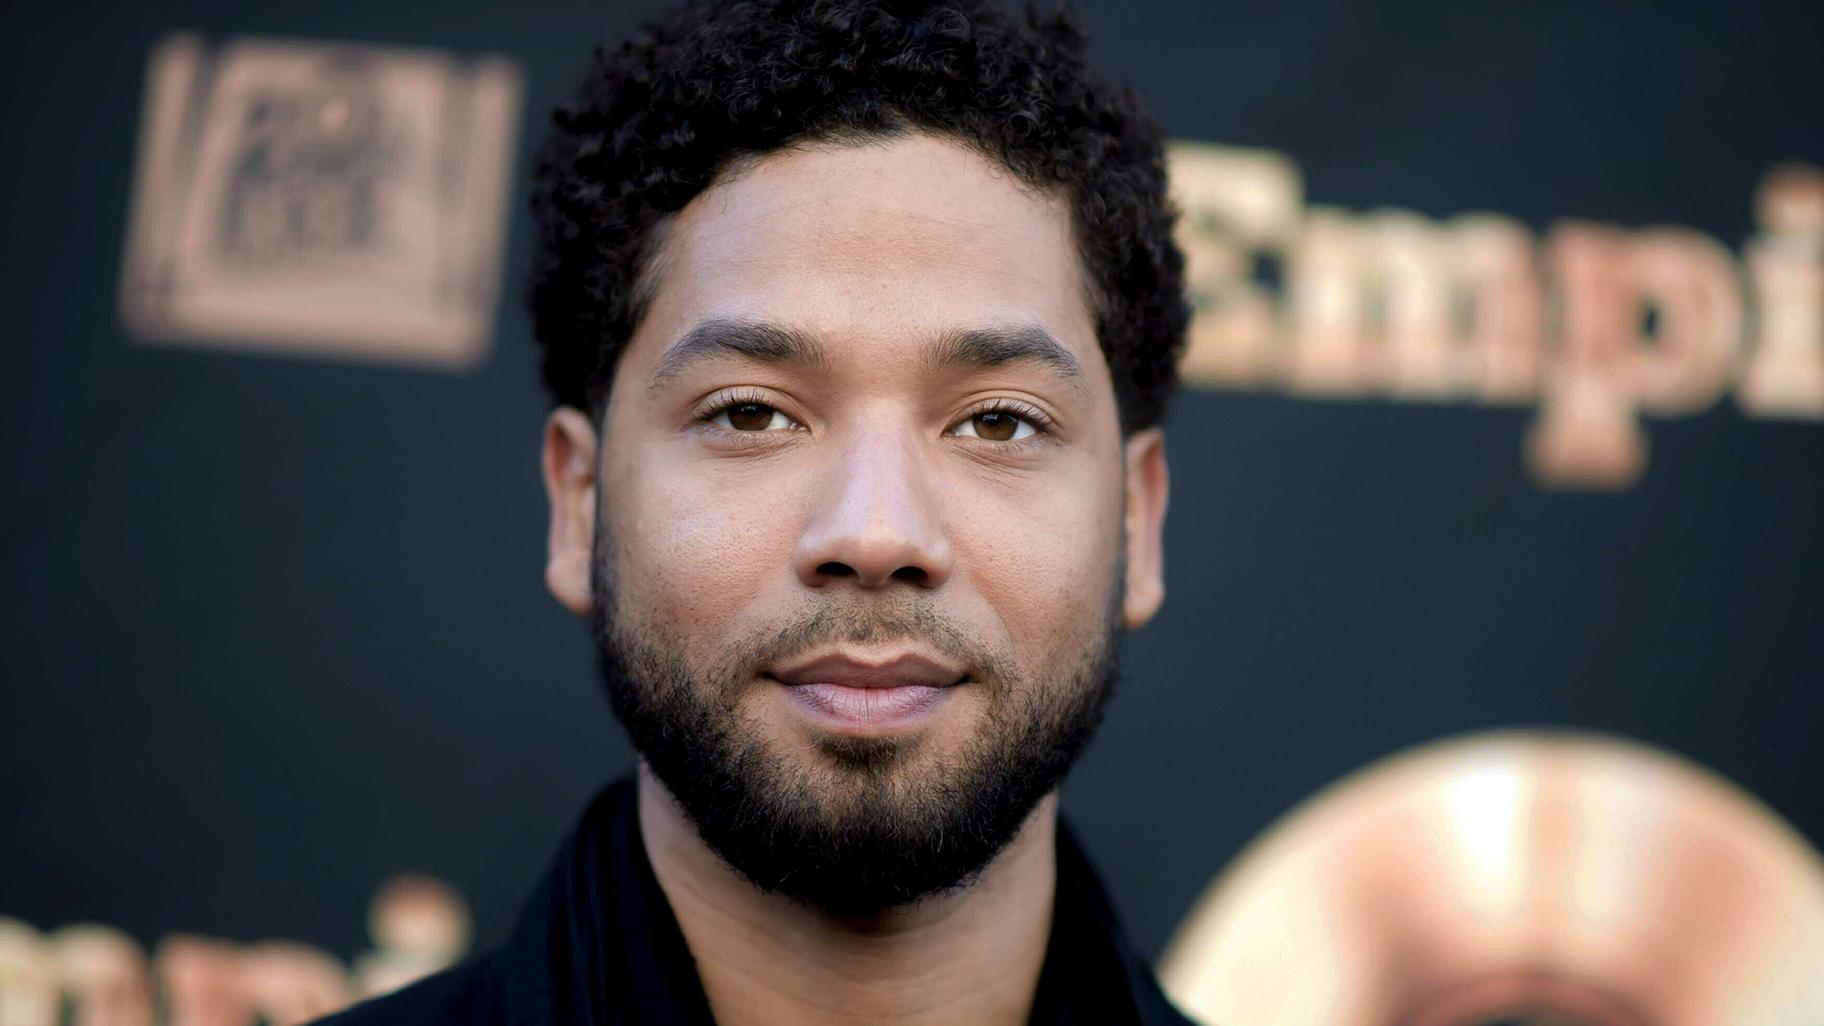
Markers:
point(660, 116)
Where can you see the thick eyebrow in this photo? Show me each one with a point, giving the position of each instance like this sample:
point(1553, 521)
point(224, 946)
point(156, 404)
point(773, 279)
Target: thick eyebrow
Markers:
point(992, 346)
point(753, 340)
point(1004, 344)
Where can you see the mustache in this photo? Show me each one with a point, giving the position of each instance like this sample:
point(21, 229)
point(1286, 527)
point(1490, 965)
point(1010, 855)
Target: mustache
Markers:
point(861, 625)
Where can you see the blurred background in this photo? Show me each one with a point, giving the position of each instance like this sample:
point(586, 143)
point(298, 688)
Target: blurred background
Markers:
point(275, 624)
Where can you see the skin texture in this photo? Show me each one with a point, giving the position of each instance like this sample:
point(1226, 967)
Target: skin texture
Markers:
point(875, 486)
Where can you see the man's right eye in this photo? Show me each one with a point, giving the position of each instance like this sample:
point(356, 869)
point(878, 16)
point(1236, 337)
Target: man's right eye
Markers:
point(748, 416)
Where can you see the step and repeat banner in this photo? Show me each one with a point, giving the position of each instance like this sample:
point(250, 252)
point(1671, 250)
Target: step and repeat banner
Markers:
point(1495, 555)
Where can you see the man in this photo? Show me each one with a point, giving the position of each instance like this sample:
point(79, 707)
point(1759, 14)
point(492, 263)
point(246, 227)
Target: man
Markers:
point(860, 317)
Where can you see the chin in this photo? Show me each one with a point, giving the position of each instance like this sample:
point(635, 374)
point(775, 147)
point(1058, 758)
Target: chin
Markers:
point(862, 754)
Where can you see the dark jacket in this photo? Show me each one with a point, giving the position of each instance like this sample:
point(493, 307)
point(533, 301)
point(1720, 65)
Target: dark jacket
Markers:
point(597, 945)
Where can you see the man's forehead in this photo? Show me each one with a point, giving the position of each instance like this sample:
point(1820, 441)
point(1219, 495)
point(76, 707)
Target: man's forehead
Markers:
point(918, 177)
point(910, 237)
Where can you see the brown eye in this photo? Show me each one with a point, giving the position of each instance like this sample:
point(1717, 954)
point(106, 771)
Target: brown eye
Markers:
point(996, 426)
point(750, 417)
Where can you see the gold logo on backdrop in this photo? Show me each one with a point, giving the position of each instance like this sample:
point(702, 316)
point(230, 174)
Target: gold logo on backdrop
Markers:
point(1514, 877)
point(102, 976)
point(1595, 324)
point(341, 200)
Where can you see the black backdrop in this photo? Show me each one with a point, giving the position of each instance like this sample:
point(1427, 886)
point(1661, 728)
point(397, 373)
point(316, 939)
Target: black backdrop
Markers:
point(275, 629)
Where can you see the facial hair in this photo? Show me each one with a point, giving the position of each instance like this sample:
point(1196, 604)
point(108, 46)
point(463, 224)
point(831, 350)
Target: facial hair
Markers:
point(858, 830)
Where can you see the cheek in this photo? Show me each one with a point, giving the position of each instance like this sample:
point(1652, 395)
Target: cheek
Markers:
point(696, 546)
point(1042, 559)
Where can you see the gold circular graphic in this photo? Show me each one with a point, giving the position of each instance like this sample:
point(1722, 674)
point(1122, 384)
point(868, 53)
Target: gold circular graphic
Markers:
point(1513, 879)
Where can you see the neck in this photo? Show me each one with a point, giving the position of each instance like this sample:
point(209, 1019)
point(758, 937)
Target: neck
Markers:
point(970, 956)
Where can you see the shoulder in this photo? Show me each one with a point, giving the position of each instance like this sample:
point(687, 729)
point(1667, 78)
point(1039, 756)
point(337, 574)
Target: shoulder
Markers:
point(466, 995)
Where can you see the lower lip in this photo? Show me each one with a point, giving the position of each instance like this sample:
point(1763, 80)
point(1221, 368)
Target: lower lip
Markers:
point(869, 707)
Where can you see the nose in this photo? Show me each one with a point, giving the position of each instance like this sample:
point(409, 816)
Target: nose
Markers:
point(875, 521)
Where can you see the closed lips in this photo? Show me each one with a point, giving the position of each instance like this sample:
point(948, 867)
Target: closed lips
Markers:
point(909, 670)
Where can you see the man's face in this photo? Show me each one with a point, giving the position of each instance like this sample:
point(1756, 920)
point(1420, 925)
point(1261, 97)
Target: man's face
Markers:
point(866, 535)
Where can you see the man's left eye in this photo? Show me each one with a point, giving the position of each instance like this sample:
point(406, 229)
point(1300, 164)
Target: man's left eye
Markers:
point(995, 426)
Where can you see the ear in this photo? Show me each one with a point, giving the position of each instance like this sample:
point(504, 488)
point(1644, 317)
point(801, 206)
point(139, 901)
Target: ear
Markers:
point(1147, 487)
point(570, 468)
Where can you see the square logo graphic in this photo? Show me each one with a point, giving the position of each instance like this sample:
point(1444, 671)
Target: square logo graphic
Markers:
point(326, 199)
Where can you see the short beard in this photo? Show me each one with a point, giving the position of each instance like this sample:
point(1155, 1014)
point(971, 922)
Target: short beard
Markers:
point(856, 838)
